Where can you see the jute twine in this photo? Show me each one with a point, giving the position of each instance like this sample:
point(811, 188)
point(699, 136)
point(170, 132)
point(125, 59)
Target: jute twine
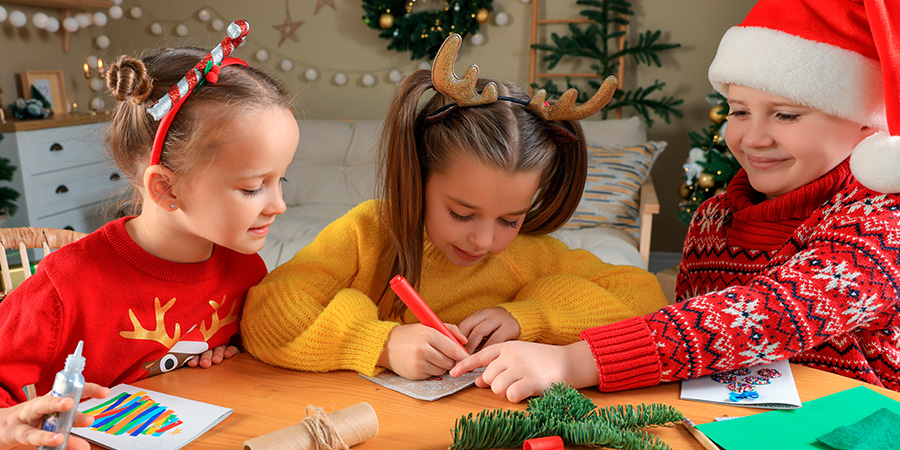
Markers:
point(319, 431)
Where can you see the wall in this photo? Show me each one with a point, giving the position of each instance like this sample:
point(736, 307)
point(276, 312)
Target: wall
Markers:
point(335, 39)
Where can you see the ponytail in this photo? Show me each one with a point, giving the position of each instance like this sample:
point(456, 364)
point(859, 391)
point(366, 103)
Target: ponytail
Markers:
point(402, 174)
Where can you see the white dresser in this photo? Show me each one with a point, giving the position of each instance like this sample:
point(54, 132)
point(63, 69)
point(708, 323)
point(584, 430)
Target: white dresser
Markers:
point(63, 175)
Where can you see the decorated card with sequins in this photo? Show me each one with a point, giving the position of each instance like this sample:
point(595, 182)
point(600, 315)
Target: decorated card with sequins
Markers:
point(429, 389)
point(770, 386)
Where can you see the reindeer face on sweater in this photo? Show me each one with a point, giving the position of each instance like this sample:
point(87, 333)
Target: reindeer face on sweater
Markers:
point(181, 348)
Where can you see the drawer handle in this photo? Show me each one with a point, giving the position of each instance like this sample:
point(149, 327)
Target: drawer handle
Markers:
point(56, 147)
point(114, 177)
point(62, 189)
point(69, 227)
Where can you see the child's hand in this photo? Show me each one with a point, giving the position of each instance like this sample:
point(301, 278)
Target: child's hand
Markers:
point(417, 351)
point(21, 424)
point(518, 370)
point(214, 356)
point(496, 324)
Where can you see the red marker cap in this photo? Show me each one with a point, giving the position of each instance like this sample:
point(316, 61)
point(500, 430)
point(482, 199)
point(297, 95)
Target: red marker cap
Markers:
point(544, 443)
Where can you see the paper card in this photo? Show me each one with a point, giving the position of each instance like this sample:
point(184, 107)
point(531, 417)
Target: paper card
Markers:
point(134, 418)
point(780, 394)
point(799, 428)
point(428, 389)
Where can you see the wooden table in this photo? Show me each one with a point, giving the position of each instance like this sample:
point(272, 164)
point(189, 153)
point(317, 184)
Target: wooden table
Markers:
point(267, 398)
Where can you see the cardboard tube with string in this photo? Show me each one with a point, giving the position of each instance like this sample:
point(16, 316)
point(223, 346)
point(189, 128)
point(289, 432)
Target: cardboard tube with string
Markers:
point(352, 425)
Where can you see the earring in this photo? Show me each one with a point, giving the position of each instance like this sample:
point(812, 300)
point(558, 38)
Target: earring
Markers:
point(171, 206)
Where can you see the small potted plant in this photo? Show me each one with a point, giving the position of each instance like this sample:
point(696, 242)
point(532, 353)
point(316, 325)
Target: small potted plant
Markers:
point(8, 195)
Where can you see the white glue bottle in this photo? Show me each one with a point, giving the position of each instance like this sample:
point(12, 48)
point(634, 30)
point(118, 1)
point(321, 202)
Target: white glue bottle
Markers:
point(68, 384)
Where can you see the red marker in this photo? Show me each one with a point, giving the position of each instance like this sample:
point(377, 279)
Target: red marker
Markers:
point(419, 308)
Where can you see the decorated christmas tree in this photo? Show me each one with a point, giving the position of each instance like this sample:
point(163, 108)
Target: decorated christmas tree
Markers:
point(565, 412)
point(710, 165)
point(599, 41)
point(421, 32)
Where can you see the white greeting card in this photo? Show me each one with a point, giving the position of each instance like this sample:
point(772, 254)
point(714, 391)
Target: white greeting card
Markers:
point(135, 418)
point(772, 387)
point(430, 389)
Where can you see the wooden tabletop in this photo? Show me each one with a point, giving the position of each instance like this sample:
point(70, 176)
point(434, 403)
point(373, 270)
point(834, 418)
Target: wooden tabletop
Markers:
point(267, 398)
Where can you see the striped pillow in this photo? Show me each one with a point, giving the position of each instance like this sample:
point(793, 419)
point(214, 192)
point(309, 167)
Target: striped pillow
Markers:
point(612, 191)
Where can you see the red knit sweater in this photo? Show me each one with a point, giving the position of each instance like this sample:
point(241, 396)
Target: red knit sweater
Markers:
point(138, 315)
point(813, 276)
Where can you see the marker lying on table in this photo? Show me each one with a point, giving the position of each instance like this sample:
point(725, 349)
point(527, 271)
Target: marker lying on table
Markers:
point(419, 308)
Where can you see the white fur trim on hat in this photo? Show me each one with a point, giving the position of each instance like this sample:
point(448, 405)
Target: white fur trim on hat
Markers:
point(839, 82)
point(875, 162)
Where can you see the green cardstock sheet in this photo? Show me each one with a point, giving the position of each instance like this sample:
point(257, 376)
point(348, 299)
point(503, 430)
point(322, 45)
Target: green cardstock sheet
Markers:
point(798, 428)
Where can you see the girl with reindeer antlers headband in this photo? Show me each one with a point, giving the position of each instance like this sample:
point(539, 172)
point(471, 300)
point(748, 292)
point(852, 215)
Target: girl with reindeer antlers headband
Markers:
point(153, 292)
point(473, 181)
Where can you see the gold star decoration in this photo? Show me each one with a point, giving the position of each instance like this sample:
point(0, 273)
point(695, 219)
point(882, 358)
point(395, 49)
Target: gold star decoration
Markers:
point(320, 3)
point(289, 28)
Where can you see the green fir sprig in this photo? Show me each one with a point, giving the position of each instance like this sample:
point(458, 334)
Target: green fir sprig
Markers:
point(563, 411)
point(599, 41)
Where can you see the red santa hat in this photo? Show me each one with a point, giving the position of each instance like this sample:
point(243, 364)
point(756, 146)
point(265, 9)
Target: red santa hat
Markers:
point(839, 56)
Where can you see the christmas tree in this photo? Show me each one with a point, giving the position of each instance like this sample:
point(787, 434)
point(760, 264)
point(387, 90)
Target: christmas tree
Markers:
point(710, 165)
point(599, 41)
point(563, 411)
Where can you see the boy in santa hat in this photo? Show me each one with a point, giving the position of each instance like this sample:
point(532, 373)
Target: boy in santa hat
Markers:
point(800, 258)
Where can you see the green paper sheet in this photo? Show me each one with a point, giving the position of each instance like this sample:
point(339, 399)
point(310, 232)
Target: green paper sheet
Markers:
point(798, 428)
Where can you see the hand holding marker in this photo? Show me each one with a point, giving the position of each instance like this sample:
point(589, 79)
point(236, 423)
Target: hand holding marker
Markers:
point(419, 308)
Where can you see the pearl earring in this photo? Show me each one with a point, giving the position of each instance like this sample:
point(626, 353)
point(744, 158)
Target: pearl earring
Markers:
point(172, 205)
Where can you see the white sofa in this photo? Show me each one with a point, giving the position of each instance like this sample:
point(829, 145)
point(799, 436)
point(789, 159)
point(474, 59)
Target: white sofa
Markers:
point(335, 169)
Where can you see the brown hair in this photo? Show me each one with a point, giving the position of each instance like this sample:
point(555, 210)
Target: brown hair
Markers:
point(200, 124)
point(502, 134)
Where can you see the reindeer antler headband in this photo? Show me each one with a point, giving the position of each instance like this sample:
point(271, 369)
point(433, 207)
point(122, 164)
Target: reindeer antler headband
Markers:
point(207, 69)
point(462, 90)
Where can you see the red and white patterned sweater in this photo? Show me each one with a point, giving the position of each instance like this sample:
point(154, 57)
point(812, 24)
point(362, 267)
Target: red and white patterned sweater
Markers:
point(813, 276)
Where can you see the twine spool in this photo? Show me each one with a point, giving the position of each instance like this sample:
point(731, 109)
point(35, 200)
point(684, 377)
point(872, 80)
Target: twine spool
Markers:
point(339, 430)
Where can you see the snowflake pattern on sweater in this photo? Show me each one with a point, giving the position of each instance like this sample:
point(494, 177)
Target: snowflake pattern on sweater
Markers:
point(827, 296)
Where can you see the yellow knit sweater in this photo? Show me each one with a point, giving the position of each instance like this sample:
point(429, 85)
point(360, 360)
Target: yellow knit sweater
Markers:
point(318, 311)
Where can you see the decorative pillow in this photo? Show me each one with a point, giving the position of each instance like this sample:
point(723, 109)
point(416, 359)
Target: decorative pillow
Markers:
point(612, 191)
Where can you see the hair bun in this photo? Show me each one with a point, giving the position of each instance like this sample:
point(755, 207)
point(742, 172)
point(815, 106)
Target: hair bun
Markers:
point(127, 78)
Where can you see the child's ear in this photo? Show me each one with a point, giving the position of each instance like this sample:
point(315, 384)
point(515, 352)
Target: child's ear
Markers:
point(159, 184)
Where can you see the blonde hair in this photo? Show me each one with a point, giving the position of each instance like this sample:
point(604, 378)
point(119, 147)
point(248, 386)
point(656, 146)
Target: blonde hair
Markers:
point(502, 134)
point(201, 123)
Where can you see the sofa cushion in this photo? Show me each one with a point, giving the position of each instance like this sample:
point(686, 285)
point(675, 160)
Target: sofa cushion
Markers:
point(611, 195)
point(335, 163)
point(628, 131)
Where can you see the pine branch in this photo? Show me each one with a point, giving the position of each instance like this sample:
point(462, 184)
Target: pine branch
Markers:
point(630, 416)
point(565, 412)
point(639, 99)
point(598, 41)
point(645, 52)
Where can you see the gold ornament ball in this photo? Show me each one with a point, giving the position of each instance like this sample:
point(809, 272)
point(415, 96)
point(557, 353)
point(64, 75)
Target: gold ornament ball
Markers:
point(386, 21)
point(684, 191)
point(706, 180)
point(718, 113)
point(720, 191)
point(483, 16)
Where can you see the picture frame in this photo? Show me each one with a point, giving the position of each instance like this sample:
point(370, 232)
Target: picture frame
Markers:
point(51, 83)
